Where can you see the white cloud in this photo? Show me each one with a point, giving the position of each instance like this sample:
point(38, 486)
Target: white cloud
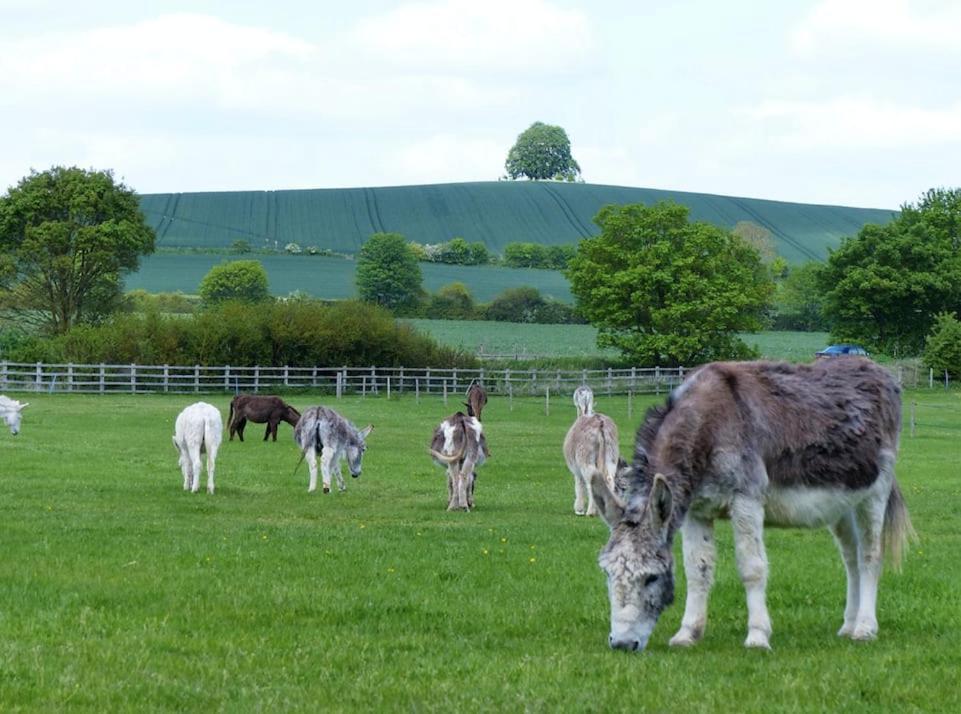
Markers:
point(518, 36)
point(447, 157)
point(855, 123)
point(887, 25)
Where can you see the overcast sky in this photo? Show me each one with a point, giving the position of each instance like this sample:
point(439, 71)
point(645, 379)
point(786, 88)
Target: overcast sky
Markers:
point(854, 102)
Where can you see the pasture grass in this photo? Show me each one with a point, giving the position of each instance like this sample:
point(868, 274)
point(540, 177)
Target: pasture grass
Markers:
point(525, 340)
point(118, 591)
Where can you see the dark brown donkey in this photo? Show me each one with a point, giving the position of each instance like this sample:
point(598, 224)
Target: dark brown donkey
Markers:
point(476, 399)
point(259, 409)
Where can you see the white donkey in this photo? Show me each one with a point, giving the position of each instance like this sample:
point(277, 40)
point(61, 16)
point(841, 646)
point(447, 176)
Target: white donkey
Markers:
point(323, 430)
point(590, 447)
point(199, 428)
point(10, 410)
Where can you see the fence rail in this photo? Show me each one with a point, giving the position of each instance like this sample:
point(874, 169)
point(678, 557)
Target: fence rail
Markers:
point(179, 379)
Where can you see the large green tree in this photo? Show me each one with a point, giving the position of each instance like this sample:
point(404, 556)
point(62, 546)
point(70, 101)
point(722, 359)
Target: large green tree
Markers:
point(244, 280)
point(67, 237)
point(388, 273)
point(884, 287)
point(542, 152)
point(665, 291)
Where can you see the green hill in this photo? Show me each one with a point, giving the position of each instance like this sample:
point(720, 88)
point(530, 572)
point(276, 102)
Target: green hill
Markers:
point(496, 213)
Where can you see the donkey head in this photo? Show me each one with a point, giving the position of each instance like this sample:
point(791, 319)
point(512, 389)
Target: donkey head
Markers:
point(476, 399)
point(584, 401)
point(637, 560)
point(13, 415)
point(356, 446)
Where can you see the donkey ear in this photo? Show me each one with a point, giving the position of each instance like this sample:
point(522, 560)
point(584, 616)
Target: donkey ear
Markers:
point(608, 505)
point(661, 502)
point(366, 430)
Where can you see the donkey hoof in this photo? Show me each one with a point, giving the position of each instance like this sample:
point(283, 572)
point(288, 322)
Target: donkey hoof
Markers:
point(326, 489)
point(864, 633)
point(685, 638)
point(757, 639)
point(847, 630)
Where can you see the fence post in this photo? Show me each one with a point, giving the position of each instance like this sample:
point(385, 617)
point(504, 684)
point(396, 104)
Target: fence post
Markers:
point(340, 387)
point(286, 375)
point(363, 385)
point(373, 379)
point(630, 404)
point(482, 376)
point(196, 378)
point(417, 389)
point(400, 388)
point(39, 375)
point(510, 395)
point(657, 380)
point(313, 377)
point(946, 380)
point(445, 391)
point(133, 378)
point(256, 378)
point(102, 377)
point(428, 380)
point(633, 379)
point(70, 377)
point(388, 388)
point(610, 380)
point(931, 378)
point(547, 401)
point(3, 374)
point(584, 377)
point(166, 378)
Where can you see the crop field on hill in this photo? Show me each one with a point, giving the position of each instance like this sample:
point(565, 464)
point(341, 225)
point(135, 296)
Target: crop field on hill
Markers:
point(333, 278)
point(121, 592)
point(505, 338)
point(495, 212)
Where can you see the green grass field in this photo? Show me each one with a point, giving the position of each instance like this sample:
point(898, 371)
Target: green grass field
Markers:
point(494, 212)
point(333, 278)
point(505, 338)
point(120, 592)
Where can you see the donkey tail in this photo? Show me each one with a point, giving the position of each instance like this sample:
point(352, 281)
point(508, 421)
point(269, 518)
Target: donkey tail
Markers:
point(897, 531)
point(230, 418)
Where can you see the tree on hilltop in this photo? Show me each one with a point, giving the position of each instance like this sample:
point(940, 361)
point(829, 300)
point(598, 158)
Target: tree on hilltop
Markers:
point(542, 152)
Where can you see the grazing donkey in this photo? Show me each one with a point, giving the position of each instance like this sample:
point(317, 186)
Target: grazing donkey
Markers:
point(459, 444)
point(11, 411)
point(322, 430)
point(757, 442)
point(590, 447)
point(198, 429)
point(259, 409)
point(476, 399)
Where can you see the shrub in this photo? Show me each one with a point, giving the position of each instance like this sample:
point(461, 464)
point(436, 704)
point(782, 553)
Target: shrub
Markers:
point(942, 351)
point(299, 333)
point(240, 246)
point(451, 302)
point(237, 280)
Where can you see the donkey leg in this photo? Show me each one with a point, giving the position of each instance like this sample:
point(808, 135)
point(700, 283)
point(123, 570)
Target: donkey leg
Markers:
point(195, 467)
point(870, 521)
point(311, 456)
point(747, 519)
point(325, 461)
point(699, 559)
point(340, 477)
point(450, 487)
point(582, 496)
point(211, 458)
point(846, 534)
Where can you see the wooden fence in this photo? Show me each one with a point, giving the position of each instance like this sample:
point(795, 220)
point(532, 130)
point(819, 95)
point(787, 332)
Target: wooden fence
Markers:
point(142, 379)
